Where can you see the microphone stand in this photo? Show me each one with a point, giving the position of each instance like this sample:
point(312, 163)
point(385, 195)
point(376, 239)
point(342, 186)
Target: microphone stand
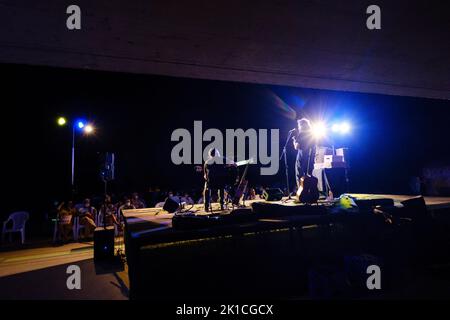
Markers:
point(284, 154)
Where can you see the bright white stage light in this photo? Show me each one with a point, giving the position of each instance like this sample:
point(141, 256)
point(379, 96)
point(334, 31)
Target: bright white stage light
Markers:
point(341, 128)
point(319, 130)
point(345, 128)
point(336, 127)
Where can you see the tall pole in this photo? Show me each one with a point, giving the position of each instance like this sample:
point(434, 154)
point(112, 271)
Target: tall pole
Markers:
point(73, 159)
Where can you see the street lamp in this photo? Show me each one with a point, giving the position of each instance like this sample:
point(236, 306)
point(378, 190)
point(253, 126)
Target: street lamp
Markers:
point(88, 129)
point(62, 121)
point(80, 125)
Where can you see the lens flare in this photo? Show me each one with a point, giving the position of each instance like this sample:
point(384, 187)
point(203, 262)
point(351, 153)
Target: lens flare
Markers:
point(282, 107)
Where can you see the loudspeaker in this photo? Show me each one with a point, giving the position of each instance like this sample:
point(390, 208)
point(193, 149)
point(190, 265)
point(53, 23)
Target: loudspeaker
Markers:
point(104, 243)
point(171, 205)
point(337, 179)
point(107, 171)
point(272, 194)
point(416, 209)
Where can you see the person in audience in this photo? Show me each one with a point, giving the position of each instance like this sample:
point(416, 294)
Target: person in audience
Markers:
point(187, 199)
point(86, 215)
point(137, 202)
point(125, 206)
point(252, 195)
point(108, 213)
point(66, 211)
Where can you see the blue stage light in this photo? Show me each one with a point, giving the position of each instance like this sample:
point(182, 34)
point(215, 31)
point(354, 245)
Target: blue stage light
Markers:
point(341, 128)
point(80, 124)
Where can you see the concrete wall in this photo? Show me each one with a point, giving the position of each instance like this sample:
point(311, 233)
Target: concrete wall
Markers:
point(306, 43)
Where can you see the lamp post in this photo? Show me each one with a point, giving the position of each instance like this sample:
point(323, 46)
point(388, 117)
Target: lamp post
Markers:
point(87, 129)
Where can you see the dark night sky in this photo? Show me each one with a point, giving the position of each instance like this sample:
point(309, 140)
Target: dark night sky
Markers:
point(393, 137)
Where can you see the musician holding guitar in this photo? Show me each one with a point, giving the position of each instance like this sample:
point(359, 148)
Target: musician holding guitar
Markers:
point(305, 145)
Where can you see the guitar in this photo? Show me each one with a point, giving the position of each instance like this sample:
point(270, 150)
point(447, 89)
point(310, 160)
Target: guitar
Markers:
point(308, 191)
point(243, 183)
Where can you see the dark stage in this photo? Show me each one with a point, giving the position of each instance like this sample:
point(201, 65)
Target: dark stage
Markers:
point(287, 251)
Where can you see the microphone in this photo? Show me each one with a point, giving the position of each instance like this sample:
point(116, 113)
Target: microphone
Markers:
point(290, 131)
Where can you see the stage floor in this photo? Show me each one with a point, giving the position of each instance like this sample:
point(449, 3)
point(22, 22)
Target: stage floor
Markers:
point(151, 214)
point(143, 222)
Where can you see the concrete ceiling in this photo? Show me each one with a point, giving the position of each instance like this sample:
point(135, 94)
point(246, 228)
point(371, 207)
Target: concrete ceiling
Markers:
point(306, 43)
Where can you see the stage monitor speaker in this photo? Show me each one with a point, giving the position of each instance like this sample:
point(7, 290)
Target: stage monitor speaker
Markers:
point(416, 209)
point(104, 243)
point(171, 205)
point(272, 194)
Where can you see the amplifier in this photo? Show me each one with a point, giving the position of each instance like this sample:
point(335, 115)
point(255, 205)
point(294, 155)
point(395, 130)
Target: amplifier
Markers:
point(333, 158)
point(344, 153)
point(321, 152)
point(330, 165)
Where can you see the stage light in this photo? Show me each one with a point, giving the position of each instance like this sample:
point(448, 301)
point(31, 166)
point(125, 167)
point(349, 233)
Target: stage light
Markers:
point(80, 124)
point(62, 121)
point(335, 128)
point(341, 128)
point(345, 128)
point(88, 129)
point(319, 130)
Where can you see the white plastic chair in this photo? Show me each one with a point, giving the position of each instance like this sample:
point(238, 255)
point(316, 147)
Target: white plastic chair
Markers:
point(77, 227)
point(19, 219)
point(99, 222)
point(99, 218)
point(56, 234)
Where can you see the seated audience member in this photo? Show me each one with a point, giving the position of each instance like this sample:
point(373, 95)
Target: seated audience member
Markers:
point(252, 195)
point(86, 215)
point(108, 213)
point(187, 199)
point(125, 206)
point(65, 219)
point(137, 202)
point(227, 197)
point(160, 204)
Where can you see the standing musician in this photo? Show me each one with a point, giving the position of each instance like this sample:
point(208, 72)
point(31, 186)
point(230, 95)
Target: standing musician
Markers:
point(305, 146)
point(216, 175)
